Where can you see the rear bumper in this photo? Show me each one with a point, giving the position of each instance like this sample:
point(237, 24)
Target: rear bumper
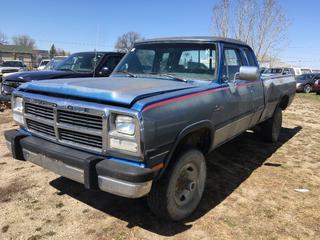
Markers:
point(93, 171)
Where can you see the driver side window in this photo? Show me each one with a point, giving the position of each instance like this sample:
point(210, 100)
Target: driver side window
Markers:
point(232, 63)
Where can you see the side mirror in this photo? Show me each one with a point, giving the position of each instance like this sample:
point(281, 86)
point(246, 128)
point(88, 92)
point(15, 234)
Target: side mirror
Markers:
point(249, 73)
point(105, 71)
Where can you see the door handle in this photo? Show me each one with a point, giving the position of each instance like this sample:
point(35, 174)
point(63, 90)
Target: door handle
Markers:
point(217, 108)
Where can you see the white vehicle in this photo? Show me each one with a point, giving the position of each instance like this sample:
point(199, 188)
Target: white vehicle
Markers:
point(43, 64)
point(12, 66)
point(305, 70)
point(278, 71)
point(53, 62)
point(297, 71)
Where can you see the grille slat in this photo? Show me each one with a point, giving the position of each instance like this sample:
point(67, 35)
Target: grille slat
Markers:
point(80, 119)
point(69, 128)
point(39, 111)
point(40, 127)
point(81, 138)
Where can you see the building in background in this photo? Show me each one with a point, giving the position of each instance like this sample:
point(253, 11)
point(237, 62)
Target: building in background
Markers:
point(27, 55)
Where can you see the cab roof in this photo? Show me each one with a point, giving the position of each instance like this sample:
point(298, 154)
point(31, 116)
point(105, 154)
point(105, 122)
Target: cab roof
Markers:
point(195, 39)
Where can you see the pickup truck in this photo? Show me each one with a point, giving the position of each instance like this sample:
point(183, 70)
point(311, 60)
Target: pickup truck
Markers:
point(77, 65)
point(11, 66)
point(146, 129)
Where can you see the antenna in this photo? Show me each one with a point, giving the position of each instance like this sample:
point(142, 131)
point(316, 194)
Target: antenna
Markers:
point(95, 51)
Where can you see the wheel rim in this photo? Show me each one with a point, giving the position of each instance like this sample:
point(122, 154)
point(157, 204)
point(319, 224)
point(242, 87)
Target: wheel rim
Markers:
point(307, 88)
point(186, 185)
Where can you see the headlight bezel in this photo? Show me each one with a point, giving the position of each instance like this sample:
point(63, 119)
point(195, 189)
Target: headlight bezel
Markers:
point(113, 134)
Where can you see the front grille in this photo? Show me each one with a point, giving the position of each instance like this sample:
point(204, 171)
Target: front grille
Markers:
point(9, 70)
point(80, 119)
point(12, 84)
point(81, 138)
point(79, 129)
point(39, 111)
point(41, 128)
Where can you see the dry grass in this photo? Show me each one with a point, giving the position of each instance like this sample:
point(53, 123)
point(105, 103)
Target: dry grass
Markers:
point(250, 193)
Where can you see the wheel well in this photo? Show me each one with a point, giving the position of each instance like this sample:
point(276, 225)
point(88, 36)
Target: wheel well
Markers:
point(283, 104)
point(200, 139)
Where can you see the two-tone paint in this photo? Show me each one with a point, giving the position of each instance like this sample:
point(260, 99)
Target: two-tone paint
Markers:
point(168, 111)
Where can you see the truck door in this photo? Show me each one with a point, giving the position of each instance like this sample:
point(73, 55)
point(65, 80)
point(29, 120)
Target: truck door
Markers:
point(238, 106)
point(256, 88)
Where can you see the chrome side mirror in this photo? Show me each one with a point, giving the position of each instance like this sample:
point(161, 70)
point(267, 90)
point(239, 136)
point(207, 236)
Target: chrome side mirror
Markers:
point(248, 73)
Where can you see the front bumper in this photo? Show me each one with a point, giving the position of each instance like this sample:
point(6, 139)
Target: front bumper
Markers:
point(93, 171)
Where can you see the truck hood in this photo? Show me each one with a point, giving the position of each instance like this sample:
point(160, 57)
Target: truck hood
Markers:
point(118, 90)
point(44, 75)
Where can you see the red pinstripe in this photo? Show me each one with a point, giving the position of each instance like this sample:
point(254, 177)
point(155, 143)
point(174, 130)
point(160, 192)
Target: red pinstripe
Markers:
point(192, 95)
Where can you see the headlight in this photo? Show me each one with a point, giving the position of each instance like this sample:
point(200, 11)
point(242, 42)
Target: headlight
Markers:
point(125, 125)
point(17, 110)
point(123, 134)
point(17, 104)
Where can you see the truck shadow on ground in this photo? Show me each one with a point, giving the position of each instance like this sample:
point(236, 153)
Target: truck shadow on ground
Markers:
point(228, 166)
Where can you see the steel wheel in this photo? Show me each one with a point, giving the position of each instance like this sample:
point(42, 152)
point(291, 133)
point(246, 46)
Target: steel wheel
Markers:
point(186, 185)
point(307, 88)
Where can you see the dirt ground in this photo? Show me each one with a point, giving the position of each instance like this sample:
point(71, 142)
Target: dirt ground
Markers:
point(250, 193)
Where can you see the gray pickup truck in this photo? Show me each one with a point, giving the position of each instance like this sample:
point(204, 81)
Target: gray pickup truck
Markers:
point(146, 129)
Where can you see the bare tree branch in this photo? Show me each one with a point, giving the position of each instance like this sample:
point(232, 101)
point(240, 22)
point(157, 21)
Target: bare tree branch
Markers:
point(126, 41)
point(24, 40)
point(3, 39)
point(261, 24)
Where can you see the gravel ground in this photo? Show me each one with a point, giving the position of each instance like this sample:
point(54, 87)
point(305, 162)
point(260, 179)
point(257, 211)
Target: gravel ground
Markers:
point(250, 193)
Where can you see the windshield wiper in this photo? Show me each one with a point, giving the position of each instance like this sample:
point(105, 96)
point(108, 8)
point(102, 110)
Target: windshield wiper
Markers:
point(127, 73)
point(173, 77)
point(65, 69)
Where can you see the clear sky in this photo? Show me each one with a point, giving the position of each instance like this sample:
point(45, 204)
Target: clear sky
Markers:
point(81, 25)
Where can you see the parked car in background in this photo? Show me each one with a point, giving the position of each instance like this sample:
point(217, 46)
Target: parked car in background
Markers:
point(147, 129)
point(305, 70)
point(11, 66)
point(305, 82)
point(78, 65)
point(278, 71)
point(297, 71)
point(43, 64)
point(54, 62)
point(316, 86)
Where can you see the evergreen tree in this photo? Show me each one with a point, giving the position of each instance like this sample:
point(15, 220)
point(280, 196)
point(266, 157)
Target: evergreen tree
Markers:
point(52, 51)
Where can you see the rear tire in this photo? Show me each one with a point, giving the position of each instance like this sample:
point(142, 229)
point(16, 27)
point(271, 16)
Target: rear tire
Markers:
point(307, 88)
point(178, 192)
point(271, 128)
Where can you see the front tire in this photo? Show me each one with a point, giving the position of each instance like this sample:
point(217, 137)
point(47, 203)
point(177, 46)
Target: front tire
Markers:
point(271, 128)
point(307, 88)
point(178, 192)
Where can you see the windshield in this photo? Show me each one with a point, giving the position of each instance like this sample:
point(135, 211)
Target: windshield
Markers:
point(44, 62)
point(79, 62)
point(305, 70)
point(273, 71)
point(52, 64)
point(12, 64)
point(176, 61)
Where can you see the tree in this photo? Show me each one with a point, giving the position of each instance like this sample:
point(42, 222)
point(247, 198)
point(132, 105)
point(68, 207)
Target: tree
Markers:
point(52, 51)
point(62, 52)
point(126, 41)
point(261, 24)
point(3, 39)
point(24, 40)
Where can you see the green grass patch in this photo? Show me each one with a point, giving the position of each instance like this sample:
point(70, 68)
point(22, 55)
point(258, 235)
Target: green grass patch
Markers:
point(309, 96)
